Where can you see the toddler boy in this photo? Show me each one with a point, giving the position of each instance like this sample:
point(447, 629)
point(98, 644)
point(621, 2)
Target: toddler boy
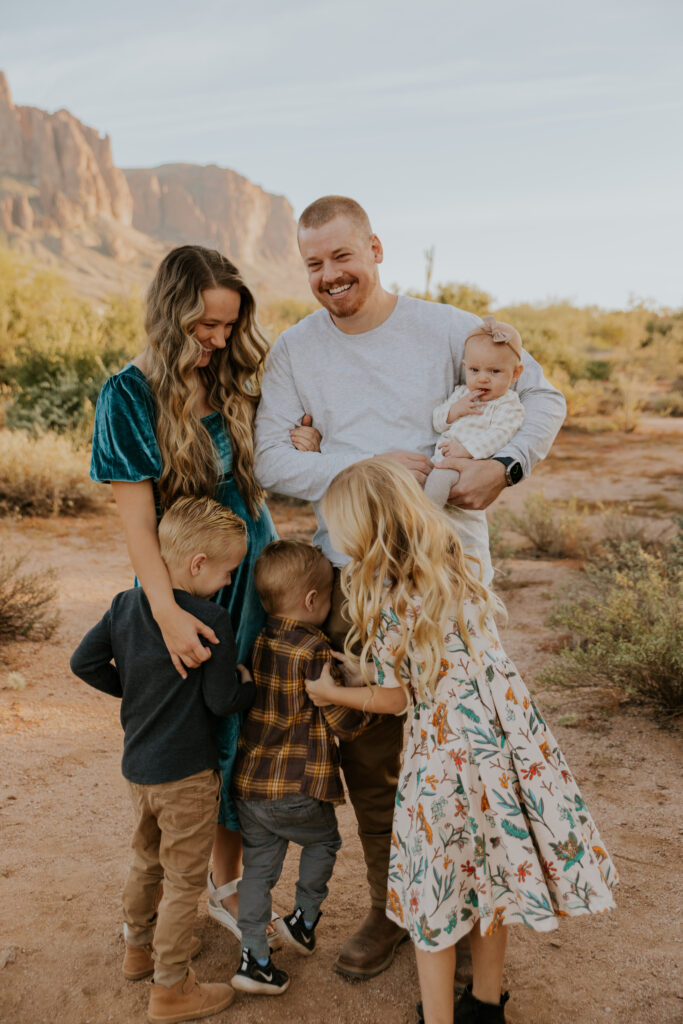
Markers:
point(286, 779)
point(169, 753)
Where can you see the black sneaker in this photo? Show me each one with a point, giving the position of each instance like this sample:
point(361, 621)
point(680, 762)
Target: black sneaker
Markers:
point(295, 933)
point(251, 977)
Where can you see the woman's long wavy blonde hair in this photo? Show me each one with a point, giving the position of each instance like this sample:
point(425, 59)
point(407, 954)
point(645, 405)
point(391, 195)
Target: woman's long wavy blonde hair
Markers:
point(405, 550)
point(232, 378)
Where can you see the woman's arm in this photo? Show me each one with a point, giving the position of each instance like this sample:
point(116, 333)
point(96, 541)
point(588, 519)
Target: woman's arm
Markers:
point(380, 700)
point(181, 631)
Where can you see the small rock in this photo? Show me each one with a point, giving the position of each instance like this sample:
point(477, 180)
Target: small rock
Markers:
point(556, 943)
point(7, 956)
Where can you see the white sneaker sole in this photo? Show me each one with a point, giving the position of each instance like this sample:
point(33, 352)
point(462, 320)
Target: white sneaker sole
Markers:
point(289, 940)
point(243, 984)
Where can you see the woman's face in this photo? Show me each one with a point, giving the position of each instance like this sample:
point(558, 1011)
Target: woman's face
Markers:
point(221, 311)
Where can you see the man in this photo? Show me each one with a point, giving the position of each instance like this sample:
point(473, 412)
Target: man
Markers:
point(369, 368)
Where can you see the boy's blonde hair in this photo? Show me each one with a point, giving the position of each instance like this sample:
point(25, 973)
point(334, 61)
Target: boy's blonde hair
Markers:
point(401, 548)
point(194, 525)
point(287, 569)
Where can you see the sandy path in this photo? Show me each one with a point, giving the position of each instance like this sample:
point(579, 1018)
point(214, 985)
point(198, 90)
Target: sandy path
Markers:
point(65, 819)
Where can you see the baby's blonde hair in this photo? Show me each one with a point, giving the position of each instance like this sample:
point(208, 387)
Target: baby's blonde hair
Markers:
point(286, 570)
point(194, 525)
point(401, 548)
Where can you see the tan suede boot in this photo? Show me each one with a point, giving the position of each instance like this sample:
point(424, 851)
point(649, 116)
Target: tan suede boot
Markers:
point(187, 1000)
point(138, 962)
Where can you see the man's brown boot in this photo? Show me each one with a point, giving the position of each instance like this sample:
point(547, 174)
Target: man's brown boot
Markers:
point(371, 949)
point(138, 962)
point(187, 1000)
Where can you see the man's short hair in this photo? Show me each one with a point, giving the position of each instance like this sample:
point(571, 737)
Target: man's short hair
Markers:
point(287, 569)
point(325, 209)
point(198, 525)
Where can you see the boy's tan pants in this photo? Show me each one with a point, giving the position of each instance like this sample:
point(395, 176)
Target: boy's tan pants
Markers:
point(176, 825)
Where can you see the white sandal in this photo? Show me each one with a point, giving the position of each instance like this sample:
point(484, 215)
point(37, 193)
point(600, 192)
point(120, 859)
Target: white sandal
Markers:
point(219, 913)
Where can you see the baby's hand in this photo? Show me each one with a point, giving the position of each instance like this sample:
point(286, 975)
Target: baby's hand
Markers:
point(322, 690)
point(244, 674)
point(452, 450)
point(350, 668)
point(468, 405)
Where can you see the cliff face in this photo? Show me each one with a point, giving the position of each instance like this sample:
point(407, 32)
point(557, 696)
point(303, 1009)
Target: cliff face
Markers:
point(63, 199)
point(220, 209)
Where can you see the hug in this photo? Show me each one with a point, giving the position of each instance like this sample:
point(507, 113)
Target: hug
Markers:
point(256, 674)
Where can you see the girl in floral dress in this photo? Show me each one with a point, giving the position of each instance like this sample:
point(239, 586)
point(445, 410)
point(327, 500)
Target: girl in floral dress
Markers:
point(490, 828)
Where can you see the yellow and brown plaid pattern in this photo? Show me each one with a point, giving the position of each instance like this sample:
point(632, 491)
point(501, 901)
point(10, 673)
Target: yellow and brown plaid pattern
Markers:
point(287, 744)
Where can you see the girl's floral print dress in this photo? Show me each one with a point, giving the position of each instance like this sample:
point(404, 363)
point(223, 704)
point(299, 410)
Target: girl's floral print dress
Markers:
point(489, 824)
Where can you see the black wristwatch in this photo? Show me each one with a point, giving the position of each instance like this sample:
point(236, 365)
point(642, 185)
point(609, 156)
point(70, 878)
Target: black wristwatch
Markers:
point(513, 470)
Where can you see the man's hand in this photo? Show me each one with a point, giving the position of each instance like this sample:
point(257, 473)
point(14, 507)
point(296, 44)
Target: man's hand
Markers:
point(468, 405)
point(419, 465)
point(305, 437)
point(480, 483)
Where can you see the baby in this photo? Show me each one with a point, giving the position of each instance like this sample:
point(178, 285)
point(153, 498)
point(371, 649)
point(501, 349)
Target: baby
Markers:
point(482, 415)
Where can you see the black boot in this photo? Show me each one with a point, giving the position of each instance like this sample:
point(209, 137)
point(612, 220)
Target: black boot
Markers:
point(470, 1010)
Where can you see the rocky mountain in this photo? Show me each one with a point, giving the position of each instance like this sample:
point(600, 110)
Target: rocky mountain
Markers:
point(64, 201)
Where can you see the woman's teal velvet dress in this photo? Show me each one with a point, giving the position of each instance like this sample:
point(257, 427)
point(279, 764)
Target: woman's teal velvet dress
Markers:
point(124, 447)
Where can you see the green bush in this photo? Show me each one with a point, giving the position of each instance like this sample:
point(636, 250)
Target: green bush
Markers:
point(56, 350)
point(623, 623)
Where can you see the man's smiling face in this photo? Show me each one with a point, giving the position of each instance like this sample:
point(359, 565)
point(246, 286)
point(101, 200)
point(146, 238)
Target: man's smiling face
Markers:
point(341, 261)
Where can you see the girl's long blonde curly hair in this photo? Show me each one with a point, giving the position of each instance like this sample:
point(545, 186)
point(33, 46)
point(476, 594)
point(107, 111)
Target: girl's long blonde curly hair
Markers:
point(232, 378)
point(405, 552)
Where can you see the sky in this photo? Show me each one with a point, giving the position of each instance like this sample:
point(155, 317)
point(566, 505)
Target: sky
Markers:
point(537, 147)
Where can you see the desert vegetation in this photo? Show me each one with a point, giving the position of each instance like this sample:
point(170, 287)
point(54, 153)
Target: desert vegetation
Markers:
point(56, 350)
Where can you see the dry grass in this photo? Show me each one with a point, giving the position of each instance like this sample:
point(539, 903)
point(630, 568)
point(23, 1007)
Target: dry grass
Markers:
point(26, 600)
point(44, 476)
point(555, 530)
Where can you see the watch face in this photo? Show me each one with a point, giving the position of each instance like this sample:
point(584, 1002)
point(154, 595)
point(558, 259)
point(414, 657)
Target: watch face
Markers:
point(515, 472)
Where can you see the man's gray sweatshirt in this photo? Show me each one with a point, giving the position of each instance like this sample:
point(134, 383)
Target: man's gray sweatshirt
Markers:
point(375, 392)
point(167, 720)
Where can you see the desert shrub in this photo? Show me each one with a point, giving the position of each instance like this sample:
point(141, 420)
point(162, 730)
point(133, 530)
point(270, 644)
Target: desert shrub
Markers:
point(622, 620)
point(499, 547)
point(555, 530)
point(668, 405)
point(44, 476)
point(275, 317)
point(26, 601)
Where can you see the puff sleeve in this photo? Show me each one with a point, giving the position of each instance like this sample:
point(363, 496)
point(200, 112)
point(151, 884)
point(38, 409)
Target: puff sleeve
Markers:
point(124, 445)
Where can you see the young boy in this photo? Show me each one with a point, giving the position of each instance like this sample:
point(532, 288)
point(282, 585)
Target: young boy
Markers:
point(169, 754)
point(286, 779)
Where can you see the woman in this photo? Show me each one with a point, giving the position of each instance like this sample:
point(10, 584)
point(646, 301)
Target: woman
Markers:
point(175, 421)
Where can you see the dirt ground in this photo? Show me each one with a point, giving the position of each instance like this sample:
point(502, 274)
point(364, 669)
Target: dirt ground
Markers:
point(65, 821)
